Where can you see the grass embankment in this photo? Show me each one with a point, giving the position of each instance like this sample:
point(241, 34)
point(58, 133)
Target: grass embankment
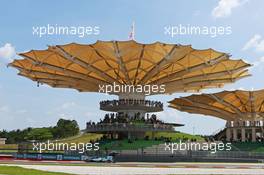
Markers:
point(8, 148)
point(83, 138)
point(251, 147)
point(116, 144)
point(176, 136)
point(126, 145)
point(14, 170)
point(136, 144)
point(141, 143)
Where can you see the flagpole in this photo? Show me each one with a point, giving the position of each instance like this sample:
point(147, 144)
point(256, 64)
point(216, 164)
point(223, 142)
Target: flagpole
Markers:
point(132, 32)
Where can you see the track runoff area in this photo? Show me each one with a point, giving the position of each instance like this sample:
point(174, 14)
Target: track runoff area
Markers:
point(82, 168)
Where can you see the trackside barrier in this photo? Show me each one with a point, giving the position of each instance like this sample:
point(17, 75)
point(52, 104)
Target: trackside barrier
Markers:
point(49, 156)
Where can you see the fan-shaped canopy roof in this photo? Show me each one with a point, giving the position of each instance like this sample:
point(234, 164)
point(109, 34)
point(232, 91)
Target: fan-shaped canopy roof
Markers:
point(84, 67)
point(228, 105)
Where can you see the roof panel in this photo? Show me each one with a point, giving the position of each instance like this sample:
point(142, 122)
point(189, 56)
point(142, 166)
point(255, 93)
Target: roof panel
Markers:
point(181, 68)
point(240, 104)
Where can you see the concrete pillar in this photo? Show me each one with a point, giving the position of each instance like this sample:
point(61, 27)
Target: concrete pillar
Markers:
point(228, 124)
point(228, 134)
point(253, 134)
point(243, 134)
point(234, 134)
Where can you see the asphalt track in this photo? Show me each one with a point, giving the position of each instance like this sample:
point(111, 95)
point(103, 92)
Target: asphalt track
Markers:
point(133, 168)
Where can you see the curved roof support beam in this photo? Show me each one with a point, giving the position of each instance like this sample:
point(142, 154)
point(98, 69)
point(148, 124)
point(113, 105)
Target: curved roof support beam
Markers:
point(121, 62)
point(193, 68)
point(202, 76)
point(139, 63)
point(69, 75)
point(252, 99)
point(213, 108)
point(166, 59)
point(39, 74)
point(57, 83)
point(118, 77)
point(204, 111)
point(199, 84)
point(241, 102)
point(67, 56)
point(64, 71)
point(227, 104)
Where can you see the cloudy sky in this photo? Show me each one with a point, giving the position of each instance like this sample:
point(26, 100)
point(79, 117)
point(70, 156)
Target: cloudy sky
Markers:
point(23, 104)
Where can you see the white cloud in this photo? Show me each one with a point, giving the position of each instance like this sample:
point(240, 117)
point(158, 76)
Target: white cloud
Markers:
point(65, 116)
point(4, 109)
point(196, 13)
point(7, 52)
point(89, 114)
point(170, 115)
point(256, 42)
point(22, 111)
point(225, 7)
point(234, 89)
point(241, 88)
point(67, 105)
point(259, 62)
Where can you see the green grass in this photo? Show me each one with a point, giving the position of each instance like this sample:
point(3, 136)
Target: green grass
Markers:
point(83, 138)
point(251, 147)
point(125, 145)
point(176, 136)
point(14, 170)
point(136, 144)
point(9, 146)
point(120, 144)
point(259, 149)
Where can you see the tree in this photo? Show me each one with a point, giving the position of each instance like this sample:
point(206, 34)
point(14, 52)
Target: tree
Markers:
point(65, 128)
point(41, 134)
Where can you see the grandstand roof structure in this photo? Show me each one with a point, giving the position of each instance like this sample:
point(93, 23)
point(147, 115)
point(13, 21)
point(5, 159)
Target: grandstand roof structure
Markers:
point(83, 67)
point(228, 105)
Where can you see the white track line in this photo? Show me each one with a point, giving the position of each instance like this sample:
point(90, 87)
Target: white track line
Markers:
point(93, 170)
